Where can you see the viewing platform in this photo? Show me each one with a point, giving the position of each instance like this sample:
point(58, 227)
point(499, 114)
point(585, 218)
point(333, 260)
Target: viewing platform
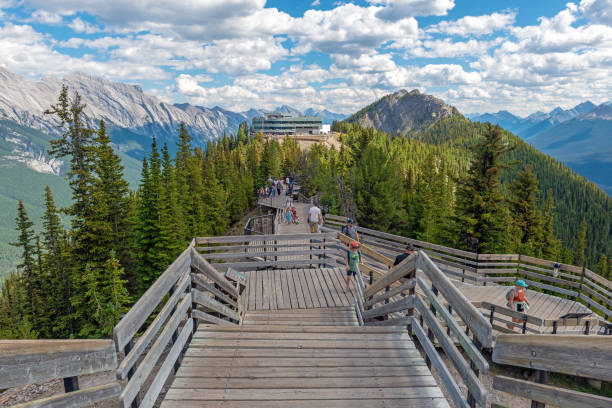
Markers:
point(266, 320)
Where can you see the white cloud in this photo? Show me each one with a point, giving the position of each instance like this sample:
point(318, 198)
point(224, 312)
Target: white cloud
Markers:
point(30, 53)
point(348, 29)
point(80, 26)
point(394, 10)
point(315, 3)
point(448, 48)
point(45, 17)
point(597, 11)
point(475, 25)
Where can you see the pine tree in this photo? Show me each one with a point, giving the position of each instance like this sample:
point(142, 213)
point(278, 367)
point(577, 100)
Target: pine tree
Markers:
point(112, 198)
point(524, 210)
point(28, 263)
point(603, 267)
point(76, 143)
point(376, 188)
point(580, 245)
point(57, 263)
point(172, 228)
point(107, 296)
point(480, 219)
point(551, 245)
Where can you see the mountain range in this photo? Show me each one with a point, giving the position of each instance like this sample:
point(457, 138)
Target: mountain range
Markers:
point(581, 137)
point(132, 117)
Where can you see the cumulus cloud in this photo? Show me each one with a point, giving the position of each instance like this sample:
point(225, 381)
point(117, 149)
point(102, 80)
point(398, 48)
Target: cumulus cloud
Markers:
point(80, 26)
point(475, 25)
point(597, 11)
point(394, 10)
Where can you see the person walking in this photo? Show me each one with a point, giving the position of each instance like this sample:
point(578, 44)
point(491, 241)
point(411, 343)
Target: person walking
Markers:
point(517, 300)
point(350, 230)
point(315, 219)
point(407, 252)
point(279, 187)
point(353, 260)
point(288, 215)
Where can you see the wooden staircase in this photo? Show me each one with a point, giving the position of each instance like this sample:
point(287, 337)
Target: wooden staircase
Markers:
point(303, 358)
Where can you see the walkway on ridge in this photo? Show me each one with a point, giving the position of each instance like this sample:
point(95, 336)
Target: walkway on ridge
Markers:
point(300, 345)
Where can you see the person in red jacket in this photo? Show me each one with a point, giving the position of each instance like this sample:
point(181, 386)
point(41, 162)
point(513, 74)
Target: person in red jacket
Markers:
point(517, 300)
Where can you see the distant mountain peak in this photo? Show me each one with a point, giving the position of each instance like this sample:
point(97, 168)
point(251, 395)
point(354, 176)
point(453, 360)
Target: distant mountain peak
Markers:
point(403, 111)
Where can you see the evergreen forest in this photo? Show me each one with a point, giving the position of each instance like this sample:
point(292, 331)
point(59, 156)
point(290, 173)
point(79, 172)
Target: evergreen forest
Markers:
point(461, 184)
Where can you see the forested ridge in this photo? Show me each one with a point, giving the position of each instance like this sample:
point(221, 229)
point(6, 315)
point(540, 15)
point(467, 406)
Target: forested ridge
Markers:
point(416, 186)
point(461, 184)
point(77, 282)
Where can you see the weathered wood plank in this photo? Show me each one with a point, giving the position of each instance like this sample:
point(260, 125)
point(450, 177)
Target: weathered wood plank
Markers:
point(77, 399)
point(140, 312)
point(201, 299)
point(240, 255)
point(596, 305)
point(251, 394)
point(477, 323)
point(451, 351)
point(399, 305)
point(35, 361)
point(143, 341)
point(162, 375)
point(460, 335)
point(400, 271)
point(133, 386)
point(199, 280)
point(207, 269)
point(584, 356)
point(208, 318)
point(549, 394)
point(269, 237)
point(509, 312)
point(392, 292)
point(599, 279)
point(447, 379)
point(370, 403)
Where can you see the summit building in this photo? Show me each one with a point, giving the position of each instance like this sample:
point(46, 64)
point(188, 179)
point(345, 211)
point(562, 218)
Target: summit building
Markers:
point(286, 124)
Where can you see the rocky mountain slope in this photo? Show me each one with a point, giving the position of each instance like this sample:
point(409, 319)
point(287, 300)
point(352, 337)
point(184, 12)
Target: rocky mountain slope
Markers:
point(402, 112)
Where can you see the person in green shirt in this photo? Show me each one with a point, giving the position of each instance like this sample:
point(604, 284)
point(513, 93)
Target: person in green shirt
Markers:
point(353, 259)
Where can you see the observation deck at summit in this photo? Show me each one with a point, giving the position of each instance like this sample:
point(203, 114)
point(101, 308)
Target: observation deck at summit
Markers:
point(286, 124)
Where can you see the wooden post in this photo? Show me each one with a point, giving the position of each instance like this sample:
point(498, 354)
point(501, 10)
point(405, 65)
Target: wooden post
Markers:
point(587, 327)
point(450, 312)
point(554, 327)
point(541, 378)
point(491, 314)
point(371, 277)
point(128, 348)
point(71, 384)
point(524, 323)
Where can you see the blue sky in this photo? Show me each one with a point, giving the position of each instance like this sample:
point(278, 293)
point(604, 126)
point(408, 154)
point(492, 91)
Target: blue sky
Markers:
point(480, 56)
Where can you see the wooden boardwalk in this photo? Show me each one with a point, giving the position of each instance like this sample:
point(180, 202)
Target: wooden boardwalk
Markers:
point(299, 344)
point(296, 289)
point(286, 362)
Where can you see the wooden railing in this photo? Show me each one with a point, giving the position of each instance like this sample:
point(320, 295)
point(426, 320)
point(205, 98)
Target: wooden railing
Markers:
point(150, 339)
point(568, 281)
point(260, 225)
point(264, 251)
point(404, 296)
point(588, 357)
point(25, 362)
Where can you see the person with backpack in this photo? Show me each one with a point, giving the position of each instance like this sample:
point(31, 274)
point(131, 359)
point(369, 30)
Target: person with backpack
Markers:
point(315, 218)
point(517, 300)
point(353, 260)
point(350, 230)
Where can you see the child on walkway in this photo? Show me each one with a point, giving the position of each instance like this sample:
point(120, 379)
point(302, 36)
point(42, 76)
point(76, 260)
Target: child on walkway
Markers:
point(288, 216)
point(353, 260)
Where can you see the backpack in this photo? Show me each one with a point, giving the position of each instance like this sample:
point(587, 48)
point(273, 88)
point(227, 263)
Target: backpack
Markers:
point(508, 294)
point(345, 229)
